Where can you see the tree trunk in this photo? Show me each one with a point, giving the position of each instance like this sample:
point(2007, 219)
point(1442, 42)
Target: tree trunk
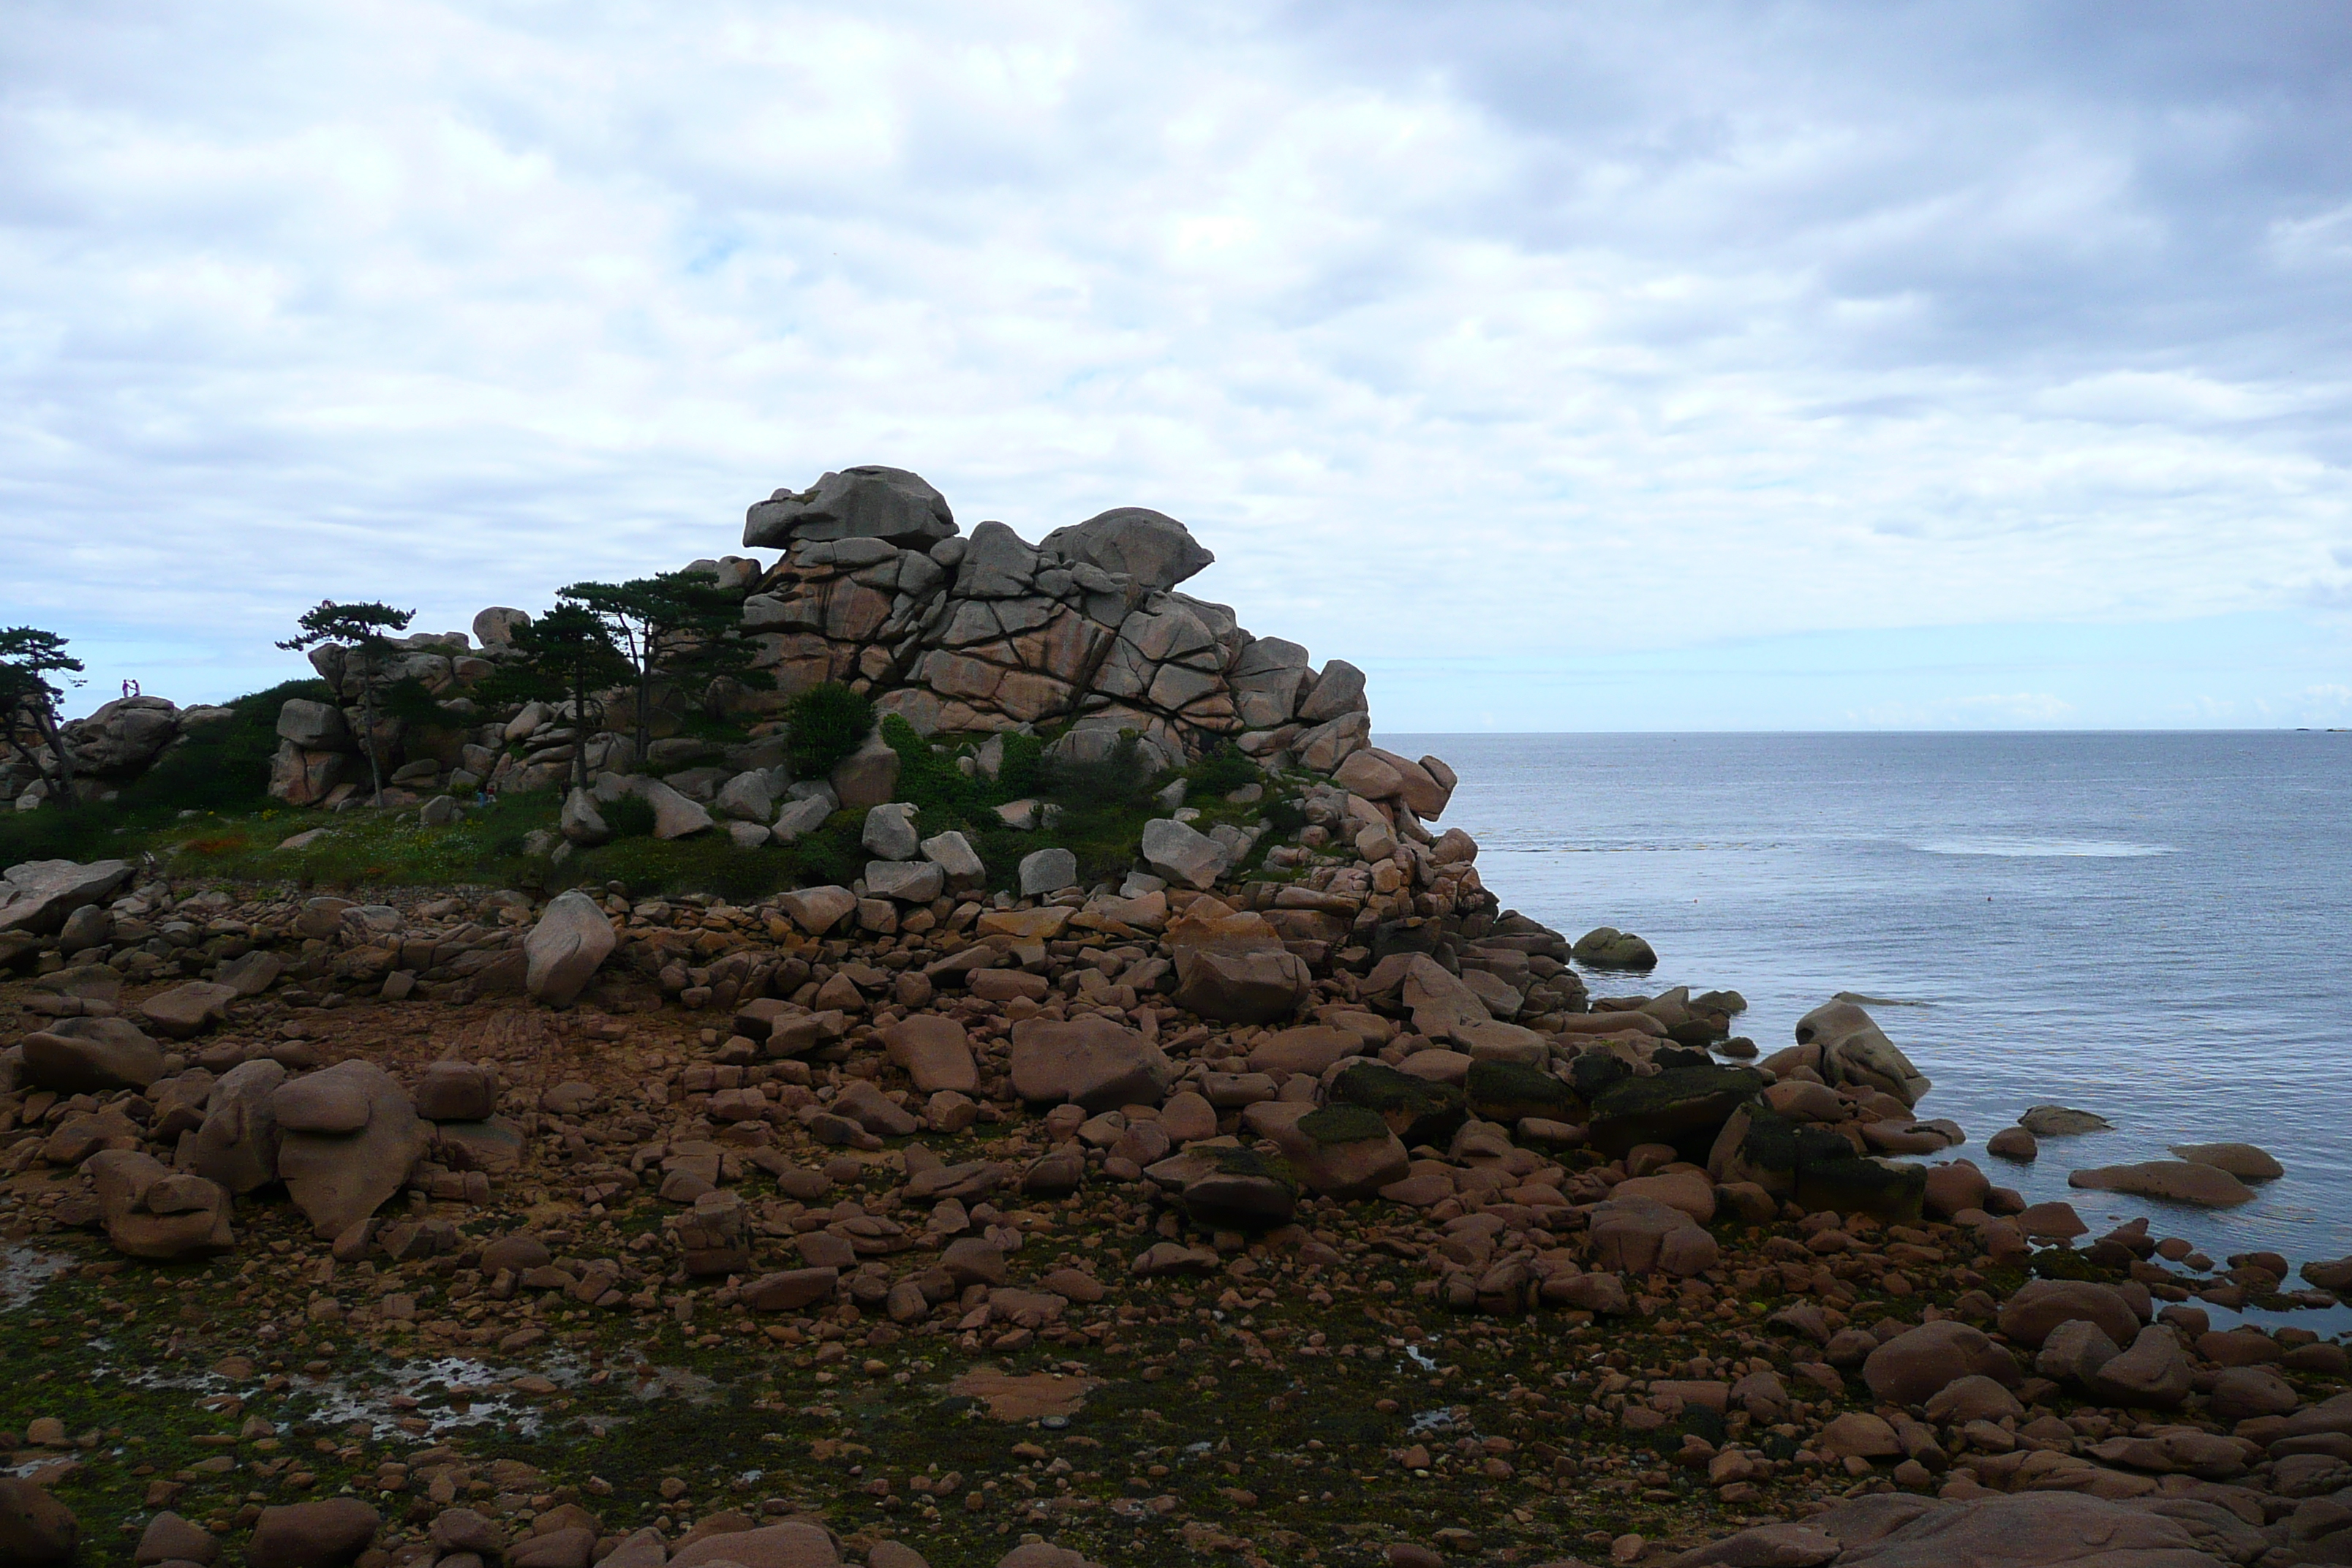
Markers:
point(46, 722)
point(367, 722)
point(580, 729)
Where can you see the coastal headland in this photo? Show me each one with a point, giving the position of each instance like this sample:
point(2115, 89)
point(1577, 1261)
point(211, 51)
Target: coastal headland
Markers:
point(950, 1050)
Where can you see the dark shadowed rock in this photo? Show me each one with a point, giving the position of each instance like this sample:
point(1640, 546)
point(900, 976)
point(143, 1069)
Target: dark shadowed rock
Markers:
point(91, 1056)
point(329, 1533)
point(37, 1530)
point(237, 1144)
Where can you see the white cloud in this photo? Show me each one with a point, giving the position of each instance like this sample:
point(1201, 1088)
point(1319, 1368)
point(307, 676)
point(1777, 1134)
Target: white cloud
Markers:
point(1452, 331)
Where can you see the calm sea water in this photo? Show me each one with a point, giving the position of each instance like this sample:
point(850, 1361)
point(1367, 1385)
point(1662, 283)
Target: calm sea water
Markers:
point(2156, 926)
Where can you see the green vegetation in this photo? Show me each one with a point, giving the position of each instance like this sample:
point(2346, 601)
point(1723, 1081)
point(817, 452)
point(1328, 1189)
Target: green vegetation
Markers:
point(1343, 1124)
point(827, 721)
point(674, 625)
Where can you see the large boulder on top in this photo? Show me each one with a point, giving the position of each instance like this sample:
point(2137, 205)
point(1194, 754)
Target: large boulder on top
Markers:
point(868, 501)
point(37, 895)
point(564, 949)
point(338, 1179)
point(1151, 548)
point(1232, 967)
point(121, 738)
point(1344, 1152)
point(1855, 1050)
point(2040, 1305)
point(1919, 1363)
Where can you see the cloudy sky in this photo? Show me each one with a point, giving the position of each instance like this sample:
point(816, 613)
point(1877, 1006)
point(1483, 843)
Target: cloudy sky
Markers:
point(1567, 366)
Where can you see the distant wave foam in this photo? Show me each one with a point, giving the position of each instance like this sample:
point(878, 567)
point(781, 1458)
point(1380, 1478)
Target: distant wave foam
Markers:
point(2045, 848)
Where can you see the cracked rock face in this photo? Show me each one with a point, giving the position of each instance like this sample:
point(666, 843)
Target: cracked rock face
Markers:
point(984, 633)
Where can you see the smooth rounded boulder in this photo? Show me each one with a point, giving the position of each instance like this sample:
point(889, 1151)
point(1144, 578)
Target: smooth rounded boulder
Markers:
point(565, 950)
point(1919, 1363)
point(37, 1530)
point(793, 1545)
point(2040, 1305)
point(2244, 1161)
point(1090, 1062)
point(329, 1533)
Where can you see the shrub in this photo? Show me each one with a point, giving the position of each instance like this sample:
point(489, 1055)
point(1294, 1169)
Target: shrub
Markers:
point(1222, 771)
point(1120, 780)
point(827, 721)
point(631, 817)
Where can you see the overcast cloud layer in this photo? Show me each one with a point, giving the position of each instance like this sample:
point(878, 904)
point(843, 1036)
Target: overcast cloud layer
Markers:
point(1567, 366)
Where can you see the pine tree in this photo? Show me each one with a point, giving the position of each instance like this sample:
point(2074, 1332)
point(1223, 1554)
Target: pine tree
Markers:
point(29, 701)
point(678, 625)
point(565, 656)
point(361, 628)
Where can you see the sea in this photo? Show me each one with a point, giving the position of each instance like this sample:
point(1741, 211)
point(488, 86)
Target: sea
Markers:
point(2156, 926)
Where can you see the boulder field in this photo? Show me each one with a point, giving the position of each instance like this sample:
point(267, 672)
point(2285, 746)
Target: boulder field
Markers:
point(1277, 1200)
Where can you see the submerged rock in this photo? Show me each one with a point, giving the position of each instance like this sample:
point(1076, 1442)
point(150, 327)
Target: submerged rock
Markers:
point(2175, 1181)
point(2062, 1121)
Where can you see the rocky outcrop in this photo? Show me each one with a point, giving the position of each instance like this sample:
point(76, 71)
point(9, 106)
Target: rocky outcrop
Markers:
point(969, 635)
point(113, 745)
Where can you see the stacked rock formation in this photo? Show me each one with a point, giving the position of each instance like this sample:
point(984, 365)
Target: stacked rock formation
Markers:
point(961, 635)
point(988, 632)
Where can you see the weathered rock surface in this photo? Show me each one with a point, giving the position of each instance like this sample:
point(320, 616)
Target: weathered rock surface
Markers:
point(91, 1056)
point(571, 939)
point(1090, 1062)
point(37, 895)
point(152, 1212)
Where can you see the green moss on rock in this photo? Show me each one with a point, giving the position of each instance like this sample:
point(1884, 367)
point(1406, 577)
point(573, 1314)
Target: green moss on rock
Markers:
point(1343, 1124)
point(1415, 1110)
point(1506, 1091)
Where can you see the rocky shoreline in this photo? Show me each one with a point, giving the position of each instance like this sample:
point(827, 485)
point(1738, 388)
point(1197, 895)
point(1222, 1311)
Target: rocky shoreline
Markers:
point(1278, 1198)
